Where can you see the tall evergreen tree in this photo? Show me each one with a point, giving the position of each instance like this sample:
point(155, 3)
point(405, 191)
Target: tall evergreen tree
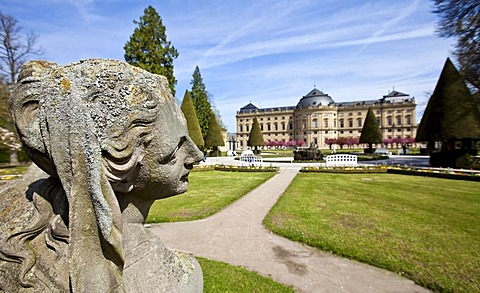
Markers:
point(214, 137)
point(255, 138)
point(149, 49)
point(371, 131)
point(192, 121)
point(200, 101)
point(451, 112)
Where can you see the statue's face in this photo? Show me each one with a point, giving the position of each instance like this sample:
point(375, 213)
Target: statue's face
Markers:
point(168, 158)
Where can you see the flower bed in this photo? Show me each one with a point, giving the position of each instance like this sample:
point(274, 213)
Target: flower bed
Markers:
point(350, 170)
point(447, 173)
point(455, 174)
point(234, 168)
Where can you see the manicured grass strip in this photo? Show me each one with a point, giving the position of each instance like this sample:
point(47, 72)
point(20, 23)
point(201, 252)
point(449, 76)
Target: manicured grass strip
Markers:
point(426, 229)
point(222, 277)
point(14, 170)
point(208, 193)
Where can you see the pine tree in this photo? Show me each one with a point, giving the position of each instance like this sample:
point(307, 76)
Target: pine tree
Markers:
point(451, 113)
point(192, 121)
point(255, 138)
point(149, 49)
point(214, 137)
point(200, 101)
point(371, 131)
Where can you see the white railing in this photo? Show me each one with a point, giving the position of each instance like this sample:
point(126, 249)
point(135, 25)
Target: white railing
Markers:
point(341, 160)
point(251, 160)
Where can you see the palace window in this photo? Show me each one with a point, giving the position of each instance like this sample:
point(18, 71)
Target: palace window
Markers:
point(325, 123)
point(389, 120)
point(359, 122)
point(350, 122)
point(315, 123)
point(399, 120)
point(408, 120)
point(342, 125)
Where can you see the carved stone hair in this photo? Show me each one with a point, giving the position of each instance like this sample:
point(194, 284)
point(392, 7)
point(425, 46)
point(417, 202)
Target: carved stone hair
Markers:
point(86, 125)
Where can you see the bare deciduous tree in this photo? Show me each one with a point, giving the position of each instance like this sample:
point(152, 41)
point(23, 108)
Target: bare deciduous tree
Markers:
point(461, 19)
point(15, 47)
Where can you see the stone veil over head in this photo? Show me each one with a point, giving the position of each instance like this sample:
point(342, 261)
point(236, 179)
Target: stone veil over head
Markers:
point(113, 140)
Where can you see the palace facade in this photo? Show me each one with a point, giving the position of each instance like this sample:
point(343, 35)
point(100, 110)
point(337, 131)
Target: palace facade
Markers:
point(317, 117)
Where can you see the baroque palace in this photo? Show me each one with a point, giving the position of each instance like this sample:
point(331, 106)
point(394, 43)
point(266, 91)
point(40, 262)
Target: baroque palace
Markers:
point(317, 117)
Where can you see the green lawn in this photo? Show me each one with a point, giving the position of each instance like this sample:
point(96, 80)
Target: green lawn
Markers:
point(222, 277)
point(208, 193)
point(14, 170)
point(426, 229)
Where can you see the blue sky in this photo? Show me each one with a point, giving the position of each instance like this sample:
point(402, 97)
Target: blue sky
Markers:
point(267, 52)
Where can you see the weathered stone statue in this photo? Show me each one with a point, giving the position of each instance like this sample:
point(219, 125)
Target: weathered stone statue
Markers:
point(112, 140)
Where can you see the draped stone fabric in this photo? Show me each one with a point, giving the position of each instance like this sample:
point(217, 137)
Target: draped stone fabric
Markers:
point(112, 139)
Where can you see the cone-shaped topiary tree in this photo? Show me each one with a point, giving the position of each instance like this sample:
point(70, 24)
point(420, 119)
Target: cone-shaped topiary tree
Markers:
point(371, 131)
point(451, 116)
point(255, 138)
point(451, 111)
point(192, 121)
point(214, 137)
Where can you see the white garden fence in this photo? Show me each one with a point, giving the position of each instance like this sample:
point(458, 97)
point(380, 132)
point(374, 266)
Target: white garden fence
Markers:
point(341, 160)
point(251, 160)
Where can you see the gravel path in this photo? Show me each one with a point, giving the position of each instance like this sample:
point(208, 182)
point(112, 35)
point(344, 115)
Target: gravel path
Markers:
point(236, 236)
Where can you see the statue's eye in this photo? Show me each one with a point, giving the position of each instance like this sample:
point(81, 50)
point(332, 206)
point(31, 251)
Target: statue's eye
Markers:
point(30, 106)
point(173, 155)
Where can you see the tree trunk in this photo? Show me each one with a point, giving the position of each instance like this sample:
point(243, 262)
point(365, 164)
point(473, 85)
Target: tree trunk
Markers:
point(13, 157)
